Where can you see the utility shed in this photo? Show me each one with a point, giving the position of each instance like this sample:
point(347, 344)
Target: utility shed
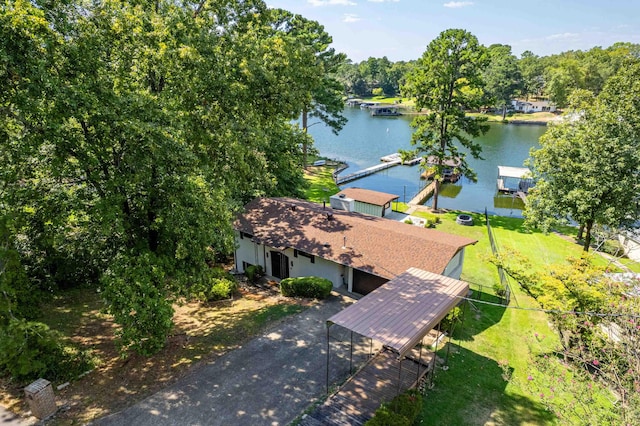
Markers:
point(364, 201)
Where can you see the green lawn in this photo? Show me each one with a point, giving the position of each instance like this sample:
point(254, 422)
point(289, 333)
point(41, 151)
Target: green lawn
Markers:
point(321, 183)
point(490, 357)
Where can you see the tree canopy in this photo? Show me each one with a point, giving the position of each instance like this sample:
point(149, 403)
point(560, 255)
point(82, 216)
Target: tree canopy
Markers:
point(588, 166)
point(447, 80)
point(131, 134)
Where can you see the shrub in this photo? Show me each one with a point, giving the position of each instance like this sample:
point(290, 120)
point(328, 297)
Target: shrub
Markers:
point(408, 221)
point(403, 410)
point(254, 272)
point(31, 350)
point(315, 287)
point(613, 247)
point(217, 285)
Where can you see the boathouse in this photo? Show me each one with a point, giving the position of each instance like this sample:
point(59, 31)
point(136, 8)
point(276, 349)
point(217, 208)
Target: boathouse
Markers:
point(514, 180)
point(295, 238)
point(384, 110)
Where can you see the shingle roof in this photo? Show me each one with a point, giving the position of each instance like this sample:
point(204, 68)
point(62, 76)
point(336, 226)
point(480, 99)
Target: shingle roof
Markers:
point(367, 196)
point(372, 244)
point(400, 313)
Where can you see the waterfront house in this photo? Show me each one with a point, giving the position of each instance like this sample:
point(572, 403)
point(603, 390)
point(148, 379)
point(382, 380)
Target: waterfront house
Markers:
point(294, 238)
point(532, 106)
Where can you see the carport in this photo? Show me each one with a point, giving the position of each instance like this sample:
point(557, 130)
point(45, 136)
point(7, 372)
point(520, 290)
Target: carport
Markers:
point(399, 315)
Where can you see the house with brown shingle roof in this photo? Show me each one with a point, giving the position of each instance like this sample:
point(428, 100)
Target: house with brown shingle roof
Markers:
point(294, 238)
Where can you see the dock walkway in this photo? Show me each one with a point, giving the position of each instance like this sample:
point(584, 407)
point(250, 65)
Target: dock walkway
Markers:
point(366, 172)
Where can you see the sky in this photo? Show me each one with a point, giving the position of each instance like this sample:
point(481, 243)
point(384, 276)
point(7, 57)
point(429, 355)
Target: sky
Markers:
point(402, 29)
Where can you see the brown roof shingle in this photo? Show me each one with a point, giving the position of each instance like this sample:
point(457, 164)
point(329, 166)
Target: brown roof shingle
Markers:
point(376, 245)
point(368, 196)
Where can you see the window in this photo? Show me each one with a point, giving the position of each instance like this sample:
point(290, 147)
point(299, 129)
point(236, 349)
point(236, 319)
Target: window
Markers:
point(311, 257)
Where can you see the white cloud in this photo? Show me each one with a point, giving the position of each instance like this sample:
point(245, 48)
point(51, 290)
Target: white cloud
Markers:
point(562, 36)
point(331, 2)
point(350, 17)
point(458, 4)
point(382, 1)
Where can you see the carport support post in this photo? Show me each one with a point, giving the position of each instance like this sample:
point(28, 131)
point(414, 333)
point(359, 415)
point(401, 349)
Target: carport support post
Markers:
point(328, 348)
point(351, 355)
point(419, 361)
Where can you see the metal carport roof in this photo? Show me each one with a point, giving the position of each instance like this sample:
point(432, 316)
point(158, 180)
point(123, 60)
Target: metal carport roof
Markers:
point(401, 312)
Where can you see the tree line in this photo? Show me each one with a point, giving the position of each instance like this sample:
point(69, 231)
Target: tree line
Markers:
point(530, 76)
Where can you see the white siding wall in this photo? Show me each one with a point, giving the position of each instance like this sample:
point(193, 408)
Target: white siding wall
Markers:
point(249, 252)
point(257, 254)
point(454, 268)
point(631, 247)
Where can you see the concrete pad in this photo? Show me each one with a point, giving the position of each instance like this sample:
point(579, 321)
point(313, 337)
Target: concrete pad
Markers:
point(269, 381)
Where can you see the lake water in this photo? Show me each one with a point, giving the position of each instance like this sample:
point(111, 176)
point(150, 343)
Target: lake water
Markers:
point(365, 139)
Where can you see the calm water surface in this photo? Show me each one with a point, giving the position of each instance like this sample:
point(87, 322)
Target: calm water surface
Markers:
point(365, 139)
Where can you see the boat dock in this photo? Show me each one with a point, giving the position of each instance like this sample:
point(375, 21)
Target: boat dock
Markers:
point(388, 161)
point(366, 172)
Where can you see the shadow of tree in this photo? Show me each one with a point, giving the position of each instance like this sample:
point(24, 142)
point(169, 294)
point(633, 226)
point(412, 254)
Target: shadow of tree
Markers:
point(472, 391)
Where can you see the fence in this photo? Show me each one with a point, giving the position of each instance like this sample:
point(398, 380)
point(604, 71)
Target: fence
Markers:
point(504, 280)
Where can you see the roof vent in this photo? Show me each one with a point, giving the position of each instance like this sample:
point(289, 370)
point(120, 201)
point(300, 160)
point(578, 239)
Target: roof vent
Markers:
point(341, 195)
point(326, 244)
point(292, 207)
point(329, 216)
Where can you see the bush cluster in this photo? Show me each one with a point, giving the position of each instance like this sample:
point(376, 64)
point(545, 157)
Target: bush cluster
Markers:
point(403, 410)
point(218, 285)
point(31, 350)
point(314, 287)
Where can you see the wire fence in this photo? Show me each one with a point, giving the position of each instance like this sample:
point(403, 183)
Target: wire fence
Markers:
point(505, 293)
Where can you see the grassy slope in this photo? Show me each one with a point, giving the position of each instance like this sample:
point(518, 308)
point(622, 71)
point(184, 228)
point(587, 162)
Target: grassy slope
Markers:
point(494, 341)
point(321, 184)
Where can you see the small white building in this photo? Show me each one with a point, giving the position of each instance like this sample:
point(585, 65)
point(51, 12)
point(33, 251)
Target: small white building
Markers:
point(363, 201)
point(295, 238)
point(532, 106)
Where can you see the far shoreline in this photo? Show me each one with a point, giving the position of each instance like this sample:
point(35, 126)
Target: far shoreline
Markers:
point(535, 118)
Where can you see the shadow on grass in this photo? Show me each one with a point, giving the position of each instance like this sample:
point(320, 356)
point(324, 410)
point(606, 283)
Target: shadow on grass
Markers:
point(472, 391)
point(478, 317)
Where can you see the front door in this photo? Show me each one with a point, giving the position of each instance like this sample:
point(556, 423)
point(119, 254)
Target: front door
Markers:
point(279, 265)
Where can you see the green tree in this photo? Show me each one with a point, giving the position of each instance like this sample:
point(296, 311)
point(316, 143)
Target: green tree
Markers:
point(532, 71)
point(502, 77)
point(131, 133)
point(446, 80)
point(588, 167)
point(325, 92)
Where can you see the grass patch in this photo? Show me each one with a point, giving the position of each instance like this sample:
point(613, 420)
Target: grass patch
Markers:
point(522, 117)
point(397, 206)
point(321, 183)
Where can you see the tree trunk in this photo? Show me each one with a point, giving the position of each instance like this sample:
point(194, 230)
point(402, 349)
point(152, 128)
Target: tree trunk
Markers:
point(436, 189)
point(504, 112)
point(304, 144)
point(587, 237)
point(580, 231)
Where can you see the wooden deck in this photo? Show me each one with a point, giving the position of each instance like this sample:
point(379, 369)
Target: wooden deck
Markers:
point(378, 381)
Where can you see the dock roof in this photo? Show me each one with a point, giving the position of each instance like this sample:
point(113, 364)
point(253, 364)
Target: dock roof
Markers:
point(514, 172)
point(379, 246)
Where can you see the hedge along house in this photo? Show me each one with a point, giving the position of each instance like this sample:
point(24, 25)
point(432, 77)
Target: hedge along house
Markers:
point(295, 238)
point(363, 201)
